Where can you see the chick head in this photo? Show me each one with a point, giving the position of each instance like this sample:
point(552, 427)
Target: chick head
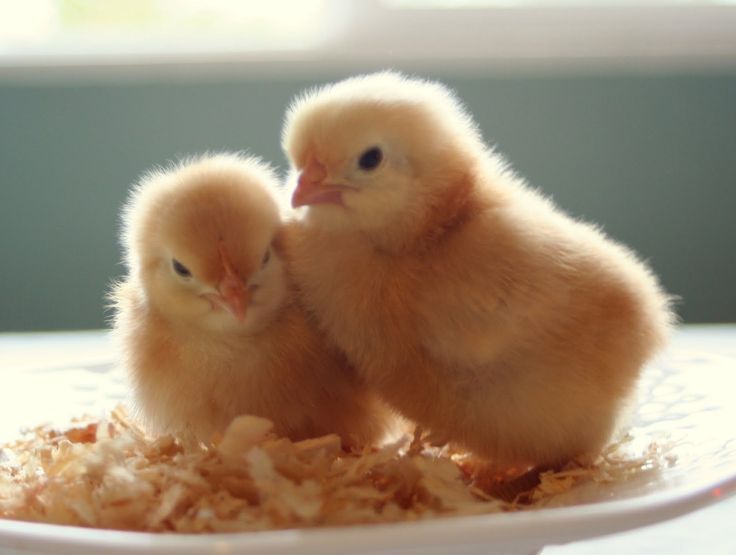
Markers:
point(376, 149)
point(199, 238)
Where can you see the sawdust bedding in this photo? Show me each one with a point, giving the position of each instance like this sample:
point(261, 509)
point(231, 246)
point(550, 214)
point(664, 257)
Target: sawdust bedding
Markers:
point(110, 474)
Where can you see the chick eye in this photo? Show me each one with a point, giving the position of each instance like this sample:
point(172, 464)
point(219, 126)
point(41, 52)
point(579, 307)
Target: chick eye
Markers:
point(370, 159)
point(180, 269)
point(266, 257)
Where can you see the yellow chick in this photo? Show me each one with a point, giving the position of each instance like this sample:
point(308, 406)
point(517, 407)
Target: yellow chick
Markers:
point(207, 320)
point(473, 305)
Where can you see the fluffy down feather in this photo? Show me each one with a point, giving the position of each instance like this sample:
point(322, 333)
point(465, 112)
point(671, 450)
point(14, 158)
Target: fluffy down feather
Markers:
point(470, 302)
point(207, 321)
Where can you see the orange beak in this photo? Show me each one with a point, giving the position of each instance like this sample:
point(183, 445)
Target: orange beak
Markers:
point(311, 188)
point(233, 295)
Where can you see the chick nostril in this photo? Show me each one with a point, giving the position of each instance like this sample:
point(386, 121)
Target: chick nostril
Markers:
point(231, 287)
point(314, 172)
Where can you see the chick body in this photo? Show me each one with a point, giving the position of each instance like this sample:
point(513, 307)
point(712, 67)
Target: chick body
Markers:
point(228, 338)
point(470, 302)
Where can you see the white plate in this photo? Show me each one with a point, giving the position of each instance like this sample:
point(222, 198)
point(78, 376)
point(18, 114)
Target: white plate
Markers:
point(685, 399)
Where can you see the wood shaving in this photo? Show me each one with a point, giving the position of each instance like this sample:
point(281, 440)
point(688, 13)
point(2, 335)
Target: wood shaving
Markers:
point(111, 474)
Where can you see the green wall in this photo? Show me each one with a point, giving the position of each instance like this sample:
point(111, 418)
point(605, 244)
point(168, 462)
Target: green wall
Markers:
point(651, 158)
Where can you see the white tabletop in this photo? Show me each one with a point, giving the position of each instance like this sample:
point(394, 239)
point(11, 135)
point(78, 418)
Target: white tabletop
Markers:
point(706, 531)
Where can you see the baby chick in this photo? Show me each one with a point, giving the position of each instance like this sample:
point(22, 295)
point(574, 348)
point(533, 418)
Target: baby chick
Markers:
point(206, 319)
point(471, 303)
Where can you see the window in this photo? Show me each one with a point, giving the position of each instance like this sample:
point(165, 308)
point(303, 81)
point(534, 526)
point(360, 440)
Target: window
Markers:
point(289, 35)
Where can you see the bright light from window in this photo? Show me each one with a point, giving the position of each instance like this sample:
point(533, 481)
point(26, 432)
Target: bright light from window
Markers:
point(375, 33)
point(272, 24)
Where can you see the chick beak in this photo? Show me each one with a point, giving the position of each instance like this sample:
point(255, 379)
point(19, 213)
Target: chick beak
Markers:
point(311, 188)
point(233, 295)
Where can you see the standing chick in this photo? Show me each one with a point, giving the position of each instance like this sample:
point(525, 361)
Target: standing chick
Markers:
point(206, 318)
point(470, 302)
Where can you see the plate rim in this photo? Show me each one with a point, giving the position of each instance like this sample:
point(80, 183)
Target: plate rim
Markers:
point(533, 528)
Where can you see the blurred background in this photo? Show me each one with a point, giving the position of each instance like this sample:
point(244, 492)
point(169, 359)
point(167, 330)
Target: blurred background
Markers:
point(623, 111)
